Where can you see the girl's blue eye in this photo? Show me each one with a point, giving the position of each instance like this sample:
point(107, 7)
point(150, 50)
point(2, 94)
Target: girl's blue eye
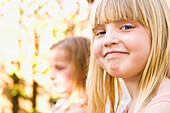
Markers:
point(126, 27)
point(100, 33)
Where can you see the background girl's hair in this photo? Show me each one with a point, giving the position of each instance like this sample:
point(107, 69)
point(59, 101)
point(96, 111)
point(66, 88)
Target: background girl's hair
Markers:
point(78, 49)
point(153, 15)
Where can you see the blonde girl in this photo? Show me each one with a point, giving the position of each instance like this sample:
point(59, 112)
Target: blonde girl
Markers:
point(130, 41)
point(69, 59)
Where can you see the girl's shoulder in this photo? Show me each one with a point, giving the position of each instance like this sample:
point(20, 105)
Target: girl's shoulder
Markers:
point(63, 106)
point(78, 109)
point(159, 104)
point(79, 106)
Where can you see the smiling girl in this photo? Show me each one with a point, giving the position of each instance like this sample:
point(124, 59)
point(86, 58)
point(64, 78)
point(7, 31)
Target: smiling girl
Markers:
point(130, 41)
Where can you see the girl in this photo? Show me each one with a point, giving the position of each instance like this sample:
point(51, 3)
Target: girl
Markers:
point(69, 65)
point(130, 41)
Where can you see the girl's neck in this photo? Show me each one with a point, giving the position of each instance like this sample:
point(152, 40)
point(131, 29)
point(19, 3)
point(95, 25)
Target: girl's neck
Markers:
point(76, 93)
point(132, 85)
point(74, 97)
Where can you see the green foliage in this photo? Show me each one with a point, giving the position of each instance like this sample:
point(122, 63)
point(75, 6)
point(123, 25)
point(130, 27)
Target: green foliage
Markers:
point(21, 11)
point(32, 111)
point(15, 90)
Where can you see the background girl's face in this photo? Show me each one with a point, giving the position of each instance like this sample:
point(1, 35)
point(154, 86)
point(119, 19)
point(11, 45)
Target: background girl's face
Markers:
point(122, 48)
point(61, 71)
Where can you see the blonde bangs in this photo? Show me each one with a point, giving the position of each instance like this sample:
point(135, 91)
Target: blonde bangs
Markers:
point(116, 10)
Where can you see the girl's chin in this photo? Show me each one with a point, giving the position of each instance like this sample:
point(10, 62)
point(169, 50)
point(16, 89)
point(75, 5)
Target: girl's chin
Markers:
point(55, 84)
point(62, 92)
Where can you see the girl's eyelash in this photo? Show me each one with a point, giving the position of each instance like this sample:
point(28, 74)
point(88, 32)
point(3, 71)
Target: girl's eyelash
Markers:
point(100, 33)
point(126, 27)
point(59, 67)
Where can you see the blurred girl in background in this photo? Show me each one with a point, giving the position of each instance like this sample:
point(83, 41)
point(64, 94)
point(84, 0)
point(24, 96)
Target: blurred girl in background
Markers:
point(69, 60)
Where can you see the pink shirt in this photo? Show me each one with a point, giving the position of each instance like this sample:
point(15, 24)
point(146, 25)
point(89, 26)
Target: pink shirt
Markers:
point(160, 98)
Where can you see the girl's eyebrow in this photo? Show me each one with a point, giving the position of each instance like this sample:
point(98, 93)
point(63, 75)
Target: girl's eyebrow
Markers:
point(97, 27)
point(94, 30)
point(101, 26)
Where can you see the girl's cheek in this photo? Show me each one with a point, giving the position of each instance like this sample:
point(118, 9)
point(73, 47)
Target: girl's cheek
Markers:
point(96, 51)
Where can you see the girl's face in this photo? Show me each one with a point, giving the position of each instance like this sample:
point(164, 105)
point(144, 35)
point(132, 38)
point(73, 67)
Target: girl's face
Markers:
point(61, 71)
point(122, 48)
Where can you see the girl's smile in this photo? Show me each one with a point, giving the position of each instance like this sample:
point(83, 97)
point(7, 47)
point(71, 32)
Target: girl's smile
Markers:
point(114, 53)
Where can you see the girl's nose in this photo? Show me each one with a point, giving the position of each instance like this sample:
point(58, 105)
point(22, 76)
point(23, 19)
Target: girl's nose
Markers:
point(52, 74)
point(110, 39)
point(52, 77)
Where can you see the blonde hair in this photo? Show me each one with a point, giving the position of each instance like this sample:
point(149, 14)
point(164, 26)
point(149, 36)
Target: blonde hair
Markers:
point(152, 14)
point(78, 49)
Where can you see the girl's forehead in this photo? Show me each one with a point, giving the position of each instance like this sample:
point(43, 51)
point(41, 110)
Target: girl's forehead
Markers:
point(98, 27)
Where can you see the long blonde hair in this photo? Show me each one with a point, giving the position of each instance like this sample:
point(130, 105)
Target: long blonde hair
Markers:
point(152, 14)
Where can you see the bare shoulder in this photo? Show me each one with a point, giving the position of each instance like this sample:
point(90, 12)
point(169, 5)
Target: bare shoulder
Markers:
point(163, 87)
point(82, 109)
point(161, 107)
point(161, 103)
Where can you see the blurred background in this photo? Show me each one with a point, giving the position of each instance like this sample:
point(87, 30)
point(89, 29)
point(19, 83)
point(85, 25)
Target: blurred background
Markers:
point(28, 28)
